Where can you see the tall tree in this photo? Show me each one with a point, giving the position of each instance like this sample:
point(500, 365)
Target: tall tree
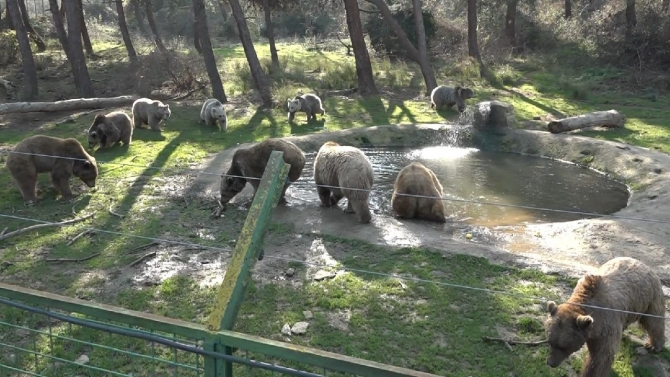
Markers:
point(8, 16)
point(206, 44)
point(473, 45)
point(123, 26)
point(247, 44)
point(77, 58)
point(366, 82)
point(568, 9)
point(41, 47)
point(137, 12)
point(424, 61)
point(271, 33)
point(413, 52)
point(196, 36)
point(148, 7)
point(510, 22)
point(29, 69)
point(84, 30)
point(60, 30)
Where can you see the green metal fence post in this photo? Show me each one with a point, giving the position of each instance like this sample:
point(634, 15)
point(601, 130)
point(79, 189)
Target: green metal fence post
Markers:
point(248, 247)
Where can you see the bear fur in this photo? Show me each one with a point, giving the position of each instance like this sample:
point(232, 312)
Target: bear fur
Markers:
point(213, 113)
point(446, 96)
point(24, 166)
point(416, 179)
point(110, 129)
point(349, 168)
point(621, 283)
point(306, 103)
point(147, 111)
point(251, 162)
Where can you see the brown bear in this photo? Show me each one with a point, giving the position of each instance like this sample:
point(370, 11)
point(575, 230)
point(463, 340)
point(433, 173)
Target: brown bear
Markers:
point(251, 162)
point(623, 284)
point(33, 156)
point(111, 129)
point(147, 111)
point(349, 169)
point(416, 179)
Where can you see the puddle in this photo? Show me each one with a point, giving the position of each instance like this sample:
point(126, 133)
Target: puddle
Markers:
point(493, 177)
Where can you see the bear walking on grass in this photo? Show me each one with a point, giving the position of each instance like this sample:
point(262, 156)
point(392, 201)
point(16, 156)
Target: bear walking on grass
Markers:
point(110, 129)
point(213, 113)
point(33, 156)
point(306, 103)
point(624, 284)
point(251, 162)
point(348, 168)
point(147, 111)
point(446, 96)
point(416, 179)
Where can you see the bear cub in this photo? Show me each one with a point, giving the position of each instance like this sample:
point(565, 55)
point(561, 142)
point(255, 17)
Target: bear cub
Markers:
point(348, 169)
point(213, 113)
point(251, 162)
point(622, 283)
point(111, 129)
point(147, 111)
point(62, 158)
point(306, 103)
point(416, 179)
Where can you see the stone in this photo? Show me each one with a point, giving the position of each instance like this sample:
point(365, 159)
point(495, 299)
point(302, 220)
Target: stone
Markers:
point(83, 359)
point(308, 314)
point(300, 328)
point(322, 274)
point(286, 330)
point(290, 272)
point(493, 116)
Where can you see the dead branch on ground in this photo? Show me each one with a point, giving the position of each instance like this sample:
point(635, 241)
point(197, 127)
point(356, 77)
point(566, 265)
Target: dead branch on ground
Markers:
point(40, 226)
point(72, 259)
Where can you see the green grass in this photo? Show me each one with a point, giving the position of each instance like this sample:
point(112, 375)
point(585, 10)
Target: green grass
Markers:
point(422, 326)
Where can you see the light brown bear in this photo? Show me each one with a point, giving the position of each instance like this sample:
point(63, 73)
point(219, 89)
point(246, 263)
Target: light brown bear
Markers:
point(621, 284)
point(416, 179)
point(349, 168)
point(251, 162)
point(25, 164)
point(111, 129)
point(147, 111)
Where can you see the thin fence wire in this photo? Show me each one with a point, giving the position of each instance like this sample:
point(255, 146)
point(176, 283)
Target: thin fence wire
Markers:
point(369, 272)
point(45, 342)
point(458, 200)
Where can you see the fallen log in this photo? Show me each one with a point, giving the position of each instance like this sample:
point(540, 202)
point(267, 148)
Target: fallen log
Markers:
point(67, 105)
point(609, 118)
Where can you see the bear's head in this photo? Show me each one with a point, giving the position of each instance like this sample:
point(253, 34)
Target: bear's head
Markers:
point(219, 113)
point(294, 105)
point(163, 111)
point(95, 134)
point(233, 181)
point(86, 170)
point(467, 93)
point(459, 97)
point(567, 331)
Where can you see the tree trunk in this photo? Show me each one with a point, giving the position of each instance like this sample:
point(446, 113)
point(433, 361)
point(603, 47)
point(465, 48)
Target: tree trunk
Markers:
point(62, 10)
point(137, 10)
point(568, 9)
point(366, 82)
point(154, 29)
point(224, 12)
point(631, 19)
point(473, 46)
point(609, 118)
point(60, 30)
point(123, 26)
point(196, 36)
point(424, 61)
point(510, 22)
point(206, 43)
point(271, 34)
point(252, 57)
point(84, 30)
point(29, 70)
point(67, 105)
point(41, 47)
point(77, 58)
point(414, 54)
point(665, 5)
point(10, 24)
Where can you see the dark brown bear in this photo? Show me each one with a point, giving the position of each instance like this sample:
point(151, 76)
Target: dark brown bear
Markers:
point(25, 164)
point(251, 162)
point(416, 179)
point(623, 284)
point(110, 129)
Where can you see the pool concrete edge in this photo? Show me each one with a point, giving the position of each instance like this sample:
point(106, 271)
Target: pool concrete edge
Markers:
point(571, 248)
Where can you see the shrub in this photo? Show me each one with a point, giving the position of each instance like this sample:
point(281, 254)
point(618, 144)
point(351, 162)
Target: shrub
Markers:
point(383, 39)
point(10, 48)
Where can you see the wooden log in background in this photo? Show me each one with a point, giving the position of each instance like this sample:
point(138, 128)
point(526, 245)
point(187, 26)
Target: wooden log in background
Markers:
point(67, 105)
point(609, 118)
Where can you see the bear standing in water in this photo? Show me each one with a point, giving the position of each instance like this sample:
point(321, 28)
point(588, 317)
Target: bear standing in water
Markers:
point(416, 179)
point(35, 156)
point(624, 284)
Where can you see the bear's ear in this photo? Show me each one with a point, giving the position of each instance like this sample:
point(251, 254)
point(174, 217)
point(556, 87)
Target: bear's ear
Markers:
point(94, 134)
point(229, 181)
point(551, 308)
point(87, 164)
point(584, 321)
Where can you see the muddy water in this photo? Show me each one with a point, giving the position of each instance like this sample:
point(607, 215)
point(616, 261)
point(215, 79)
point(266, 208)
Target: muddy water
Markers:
point(502, 178)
